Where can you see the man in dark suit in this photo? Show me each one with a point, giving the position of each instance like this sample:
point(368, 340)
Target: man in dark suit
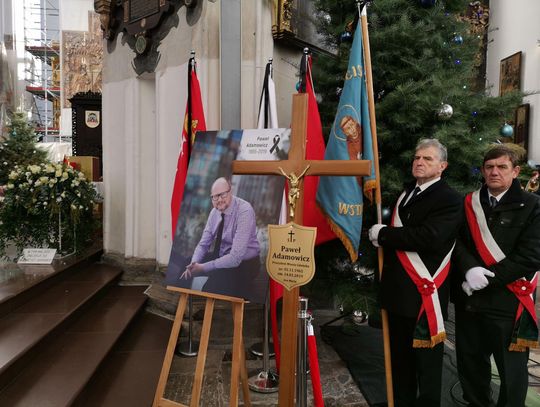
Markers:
point(497, 256)
point(414, 285)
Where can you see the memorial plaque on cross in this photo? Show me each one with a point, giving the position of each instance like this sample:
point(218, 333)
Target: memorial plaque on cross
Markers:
point(294, 168)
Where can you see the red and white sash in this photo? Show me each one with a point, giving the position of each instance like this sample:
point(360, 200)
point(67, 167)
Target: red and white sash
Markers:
point(426, 284)
point(491, 253)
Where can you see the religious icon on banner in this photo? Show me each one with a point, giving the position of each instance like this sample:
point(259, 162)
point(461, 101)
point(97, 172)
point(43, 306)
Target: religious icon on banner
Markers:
point(221, 240)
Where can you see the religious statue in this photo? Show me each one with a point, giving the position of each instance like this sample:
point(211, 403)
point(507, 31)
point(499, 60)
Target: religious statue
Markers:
point(294, 189)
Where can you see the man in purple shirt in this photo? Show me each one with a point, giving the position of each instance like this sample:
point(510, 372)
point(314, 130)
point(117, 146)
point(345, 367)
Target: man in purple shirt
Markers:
point(228, 252)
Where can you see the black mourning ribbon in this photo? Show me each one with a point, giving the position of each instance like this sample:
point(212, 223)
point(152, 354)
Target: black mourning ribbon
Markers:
point(275, 146)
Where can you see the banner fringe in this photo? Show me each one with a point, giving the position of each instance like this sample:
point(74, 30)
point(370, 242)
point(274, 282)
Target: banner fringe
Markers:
point(353, 253)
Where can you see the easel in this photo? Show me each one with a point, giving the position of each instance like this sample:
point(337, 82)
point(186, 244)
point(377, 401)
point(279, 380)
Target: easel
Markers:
point(292, 168)
point(238, 368)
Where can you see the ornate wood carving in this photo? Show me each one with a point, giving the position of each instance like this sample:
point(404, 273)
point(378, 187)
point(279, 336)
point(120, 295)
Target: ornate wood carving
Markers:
point(294, 24)
point(82, 59)
point(145, 23)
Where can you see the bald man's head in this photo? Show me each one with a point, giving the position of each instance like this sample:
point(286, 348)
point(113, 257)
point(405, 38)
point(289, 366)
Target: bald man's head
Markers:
point(221, 194)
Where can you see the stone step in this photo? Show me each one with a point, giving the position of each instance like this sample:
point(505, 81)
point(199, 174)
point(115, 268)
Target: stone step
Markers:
point(130, 375)
point(26, 330)
point(20, 283)
point(60, 371)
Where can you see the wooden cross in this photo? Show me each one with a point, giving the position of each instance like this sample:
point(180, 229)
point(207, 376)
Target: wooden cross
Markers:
point(297, 164)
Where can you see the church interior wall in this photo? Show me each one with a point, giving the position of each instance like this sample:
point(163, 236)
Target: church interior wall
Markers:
point(74, 15)
point(257, 49)
point(143, 117)
point(514, 27)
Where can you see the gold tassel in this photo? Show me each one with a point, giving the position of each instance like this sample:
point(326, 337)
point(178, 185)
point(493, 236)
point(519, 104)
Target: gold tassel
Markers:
point(420, 343)
point(440, 337)
point(424, 343)
point(521, 345)
point(369, 187)
point(516, 348)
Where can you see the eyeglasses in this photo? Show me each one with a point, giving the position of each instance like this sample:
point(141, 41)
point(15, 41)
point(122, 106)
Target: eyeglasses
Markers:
point(220, 196)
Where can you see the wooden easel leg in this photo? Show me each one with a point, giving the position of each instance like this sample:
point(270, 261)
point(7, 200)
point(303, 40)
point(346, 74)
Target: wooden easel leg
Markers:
point(238, 367)
point(203, 349)
point(173, 339)
point(244, 376)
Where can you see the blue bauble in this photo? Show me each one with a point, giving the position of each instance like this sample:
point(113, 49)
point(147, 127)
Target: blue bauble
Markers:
point(346, 36)
point(298, 84)
point(427, 3)
point(458, 39)
point(386, 214)
point(457, 62)
point(507, 130)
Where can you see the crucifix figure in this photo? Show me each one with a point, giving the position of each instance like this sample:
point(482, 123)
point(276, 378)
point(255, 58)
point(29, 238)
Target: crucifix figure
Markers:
point(294, 188)
point(296, 164)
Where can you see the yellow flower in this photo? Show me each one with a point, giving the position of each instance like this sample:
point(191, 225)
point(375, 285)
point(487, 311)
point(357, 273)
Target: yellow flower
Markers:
point(34, 169)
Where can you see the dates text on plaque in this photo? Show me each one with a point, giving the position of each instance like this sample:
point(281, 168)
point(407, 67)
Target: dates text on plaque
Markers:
point(291, 251)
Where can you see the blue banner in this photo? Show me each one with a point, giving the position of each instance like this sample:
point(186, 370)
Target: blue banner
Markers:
point(341, 197)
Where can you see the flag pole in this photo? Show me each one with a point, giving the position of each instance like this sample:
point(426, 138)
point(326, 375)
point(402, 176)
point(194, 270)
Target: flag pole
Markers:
point(190, 348)
point(191, 67)
point(362, 9)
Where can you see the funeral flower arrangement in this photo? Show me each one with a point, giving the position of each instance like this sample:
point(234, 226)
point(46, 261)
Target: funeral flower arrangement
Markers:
point(47, 205)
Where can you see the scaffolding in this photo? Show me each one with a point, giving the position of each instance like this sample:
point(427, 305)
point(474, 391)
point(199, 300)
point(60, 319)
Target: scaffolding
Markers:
point(42, 65)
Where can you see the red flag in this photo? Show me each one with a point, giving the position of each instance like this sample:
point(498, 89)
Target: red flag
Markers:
point(193, 120)
point(315, 148)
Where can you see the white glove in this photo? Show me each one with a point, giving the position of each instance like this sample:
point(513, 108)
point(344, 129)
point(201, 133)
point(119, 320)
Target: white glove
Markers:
point(476, 277)
point(374, 233)
point(467, 288)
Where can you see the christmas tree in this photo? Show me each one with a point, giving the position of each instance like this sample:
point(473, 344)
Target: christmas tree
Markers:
point(428, 67)
point(19, 148)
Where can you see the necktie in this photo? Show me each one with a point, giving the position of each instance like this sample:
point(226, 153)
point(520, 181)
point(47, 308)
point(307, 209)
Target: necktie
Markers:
point(493, 202)
point(219, 236)
point(414, 193)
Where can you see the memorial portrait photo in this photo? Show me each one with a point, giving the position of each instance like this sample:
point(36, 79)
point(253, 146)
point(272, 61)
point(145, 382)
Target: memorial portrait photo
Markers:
point(221, 239)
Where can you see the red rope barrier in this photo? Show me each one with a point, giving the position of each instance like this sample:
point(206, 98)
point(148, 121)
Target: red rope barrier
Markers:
point(314, 367)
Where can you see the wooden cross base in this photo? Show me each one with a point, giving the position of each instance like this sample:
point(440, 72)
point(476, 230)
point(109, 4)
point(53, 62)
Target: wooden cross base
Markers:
point(238, 368)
